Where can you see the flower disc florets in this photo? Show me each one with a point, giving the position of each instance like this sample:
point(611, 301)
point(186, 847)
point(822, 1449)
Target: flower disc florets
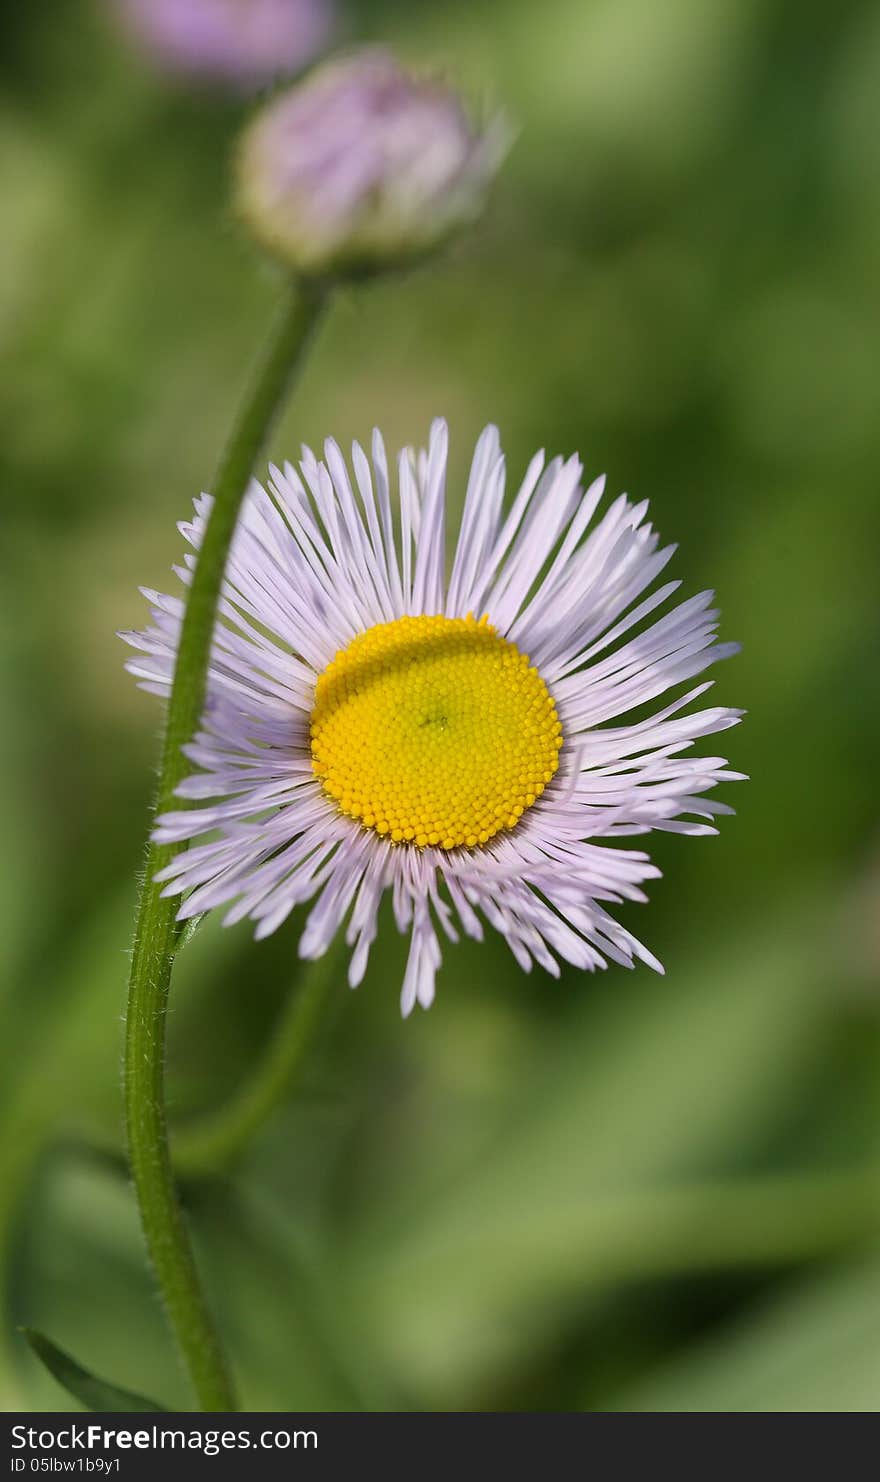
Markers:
point(434, 730)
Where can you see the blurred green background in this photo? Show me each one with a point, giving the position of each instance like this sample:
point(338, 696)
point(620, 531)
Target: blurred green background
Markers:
point(611, 1192)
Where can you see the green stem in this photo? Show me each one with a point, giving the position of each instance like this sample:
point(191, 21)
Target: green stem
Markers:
point(215, 1140)
point(156, 931)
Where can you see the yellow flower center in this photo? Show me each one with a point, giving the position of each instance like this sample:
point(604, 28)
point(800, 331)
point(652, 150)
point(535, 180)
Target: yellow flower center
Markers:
point(434, 730)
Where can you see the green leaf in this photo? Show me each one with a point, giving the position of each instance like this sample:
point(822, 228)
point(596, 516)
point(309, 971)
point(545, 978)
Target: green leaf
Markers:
point(813, 1347)
point(95, 1394)
point(613, 1121)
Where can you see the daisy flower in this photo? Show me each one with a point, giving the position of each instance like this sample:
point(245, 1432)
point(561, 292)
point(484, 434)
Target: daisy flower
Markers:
point(243, 42)
point(476, 741)
point(363, 165)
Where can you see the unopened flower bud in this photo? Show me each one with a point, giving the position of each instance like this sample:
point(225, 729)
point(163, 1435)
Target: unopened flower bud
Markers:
point(362, 167)
point(242, 42)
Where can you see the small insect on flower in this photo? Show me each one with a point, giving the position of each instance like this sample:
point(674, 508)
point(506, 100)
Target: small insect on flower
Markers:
point(373, 725)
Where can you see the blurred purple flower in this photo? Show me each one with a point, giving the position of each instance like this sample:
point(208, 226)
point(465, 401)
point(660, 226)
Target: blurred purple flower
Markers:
point(363, 165)
point(245, 42)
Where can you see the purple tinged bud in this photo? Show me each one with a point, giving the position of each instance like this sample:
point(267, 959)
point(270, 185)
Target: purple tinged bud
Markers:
point(243, 42)
point(361, 167)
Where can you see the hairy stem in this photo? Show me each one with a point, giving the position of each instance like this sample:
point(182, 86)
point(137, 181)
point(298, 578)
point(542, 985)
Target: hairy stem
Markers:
point(156, 931)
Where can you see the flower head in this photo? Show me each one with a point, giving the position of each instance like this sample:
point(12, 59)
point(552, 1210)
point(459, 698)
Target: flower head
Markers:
point(373, 725)
point(245, 42)
point(362, 166)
